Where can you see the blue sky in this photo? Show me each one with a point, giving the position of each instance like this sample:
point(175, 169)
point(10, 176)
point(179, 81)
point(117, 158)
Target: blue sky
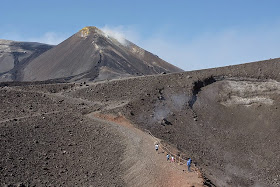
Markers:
point(192, 35)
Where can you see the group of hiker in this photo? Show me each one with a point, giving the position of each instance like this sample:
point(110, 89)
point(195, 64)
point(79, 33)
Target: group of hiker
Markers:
point(189, 162)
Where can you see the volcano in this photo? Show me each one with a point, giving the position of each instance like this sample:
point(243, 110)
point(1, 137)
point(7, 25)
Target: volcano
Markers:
point(103, 133)
point(90, 55)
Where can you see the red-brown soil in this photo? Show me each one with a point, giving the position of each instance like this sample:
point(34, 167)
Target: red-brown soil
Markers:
point(160, 171)
point(49, 139)
point(225, 119)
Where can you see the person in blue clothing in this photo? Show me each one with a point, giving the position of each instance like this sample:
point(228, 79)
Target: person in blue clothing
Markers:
point(167, 157)
point(189, 162)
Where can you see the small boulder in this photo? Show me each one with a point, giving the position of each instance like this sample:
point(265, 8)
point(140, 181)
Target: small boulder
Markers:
point(164, 122)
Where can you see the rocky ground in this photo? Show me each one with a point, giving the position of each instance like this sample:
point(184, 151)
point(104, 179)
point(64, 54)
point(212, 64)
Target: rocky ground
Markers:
point(46, 141)
point(51, 139)
point(225, 119)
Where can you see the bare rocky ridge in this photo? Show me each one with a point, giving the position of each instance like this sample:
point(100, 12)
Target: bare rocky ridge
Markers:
point(92, 55)
point(14, 56)
point(51, 139)
point(226, 118)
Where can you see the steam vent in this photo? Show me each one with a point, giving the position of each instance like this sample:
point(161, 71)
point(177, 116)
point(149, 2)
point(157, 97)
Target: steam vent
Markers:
point(70, 130)
point(90, 55)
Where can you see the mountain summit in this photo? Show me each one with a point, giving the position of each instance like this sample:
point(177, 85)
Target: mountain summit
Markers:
point(90, 54)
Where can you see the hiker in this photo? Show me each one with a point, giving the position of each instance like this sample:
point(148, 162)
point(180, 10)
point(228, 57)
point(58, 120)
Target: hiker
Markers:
point(156, 146)
point(172, 159)
point(167, 157)
point(189, 162)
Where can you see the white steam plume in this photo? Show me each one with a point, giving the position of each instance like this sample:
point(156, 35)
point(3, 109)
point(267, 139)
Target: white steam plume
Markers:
point(115, 33)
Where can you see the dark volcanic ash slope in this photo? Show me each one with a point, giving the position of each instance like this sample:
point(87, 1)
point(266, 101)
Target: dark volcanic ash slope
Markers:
point(47, 141)
point(92, 55)
point(226, 119)
point(14, 56)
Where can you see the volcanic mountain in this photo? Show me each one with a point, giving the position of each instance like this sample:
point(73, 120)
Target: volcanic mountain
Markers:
point(14, 56)
point(99, 134)
point(90, 54)
point(103, 133)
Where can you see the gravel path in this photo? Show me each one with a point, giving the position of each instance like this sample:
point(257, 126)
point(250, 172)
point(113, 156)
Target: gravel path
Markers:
point(143, 166)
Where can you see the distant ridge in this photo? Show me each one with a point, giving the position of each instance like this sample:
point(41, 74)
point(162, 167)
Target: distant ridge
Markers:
point(91, 55)
point(14, 56)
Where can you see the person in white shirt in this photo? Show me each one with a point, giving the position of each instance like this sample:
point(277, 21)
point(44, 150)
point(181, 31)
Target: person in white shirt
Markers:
point(156, 146)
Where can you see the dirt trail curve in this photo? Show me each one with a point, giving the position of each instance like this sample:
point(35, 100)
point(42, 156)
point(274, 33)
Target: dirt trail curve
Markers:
point(145, 167)
point(142, 165)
